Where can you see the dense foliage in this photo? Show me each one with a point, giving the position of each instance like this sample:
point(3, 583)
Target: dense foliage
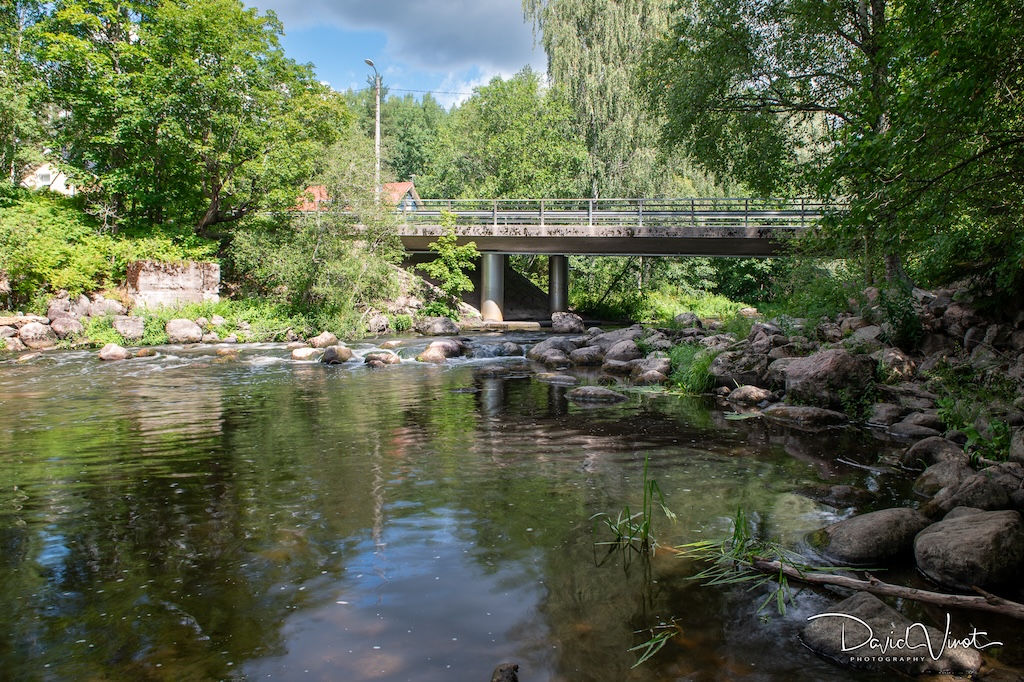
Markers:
point(908, 110)
point(511, 140)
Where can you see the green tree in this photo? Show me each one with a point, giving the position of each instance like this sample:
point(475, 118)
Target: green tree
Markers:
point(510, 140)
point(407, 127)
point(22, 90)
point(909, 110)
point(187, 111)
point(594, 48)
point(331, 266)
point(450, 266)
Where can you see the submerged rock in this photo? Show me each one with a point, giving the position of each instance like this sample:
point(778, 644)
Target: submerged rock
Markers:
point(595, 394)
point(803, 415)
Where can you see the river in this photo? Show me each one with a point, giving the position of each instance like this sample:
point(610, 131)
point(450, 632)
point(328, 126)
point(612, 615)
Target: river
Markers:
point(194, 517)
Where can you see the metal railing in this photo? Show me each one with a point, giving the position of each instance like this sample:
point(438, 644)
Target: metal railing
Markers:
point(614, 217)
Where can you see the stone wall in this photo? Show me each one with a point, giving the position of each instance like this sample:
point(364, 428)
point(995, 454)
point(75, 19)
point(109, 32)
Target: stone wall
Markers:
point(153, 284)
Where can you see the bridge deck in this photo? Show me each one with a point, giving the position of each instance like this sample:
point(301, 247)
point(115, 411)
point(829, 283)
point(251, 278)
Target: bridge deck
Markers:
point(704, 227)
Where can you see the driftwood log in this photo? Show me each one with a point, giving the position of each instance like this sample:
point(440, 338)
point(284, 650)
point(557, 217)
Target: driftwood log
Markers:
point(984, 602)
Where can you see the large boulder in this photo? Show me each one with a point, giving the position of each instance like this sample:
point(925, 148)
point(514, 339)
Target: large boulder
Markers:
point(948, 473)
point(687, 320)
point(736, 368)
point(440, 350)
point(875, 539)
point(932, 451)
point(624, 351)
point(105, 306)
point(1017, 445)
point(13, 344)
point(851, 633)
point(130, 328)
point(181, 330)
point(977, 490)
point(385, 357)
point(436, 326)
point(37, 336)
point(588, 356)
point(829, 378)
point(567, 323)
point(560, 343)
point(983, 549)
point(749, 395)
point(323, 340)
point(608, 339)
point(652, 363)
point(67, 327)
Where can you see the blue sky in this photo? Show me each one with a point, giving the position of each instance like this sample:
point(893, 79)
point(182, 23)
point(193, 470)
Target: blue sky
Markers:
point(444, 46)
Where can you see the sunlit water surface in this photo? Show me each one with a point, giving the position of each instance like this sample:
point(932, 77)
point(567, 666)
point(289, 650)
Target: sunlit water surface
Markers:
point(189, 517)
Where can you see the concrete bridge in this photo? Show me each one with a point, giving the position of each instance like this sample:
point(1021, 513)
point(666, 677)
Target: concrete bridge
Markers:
point(610, 227)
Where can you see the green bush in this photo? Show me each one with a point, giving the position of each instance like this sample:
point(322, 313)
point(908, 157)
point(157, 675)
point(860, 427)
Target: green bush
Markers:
point(48, 243)
point(400, 323)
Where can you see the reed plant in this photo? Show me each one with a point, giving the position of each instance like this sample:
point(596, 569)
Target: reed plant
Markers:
point(632, 531)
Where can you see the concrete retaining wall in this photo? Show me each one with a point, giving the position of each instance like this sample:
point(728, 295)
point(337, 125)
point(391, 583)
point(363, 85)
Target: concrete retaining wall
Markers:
point(153, 284)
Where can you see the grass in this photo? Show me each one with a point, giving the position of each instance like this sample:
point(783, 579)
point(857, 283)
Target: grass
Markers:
point(665, 308)
point(691, 365)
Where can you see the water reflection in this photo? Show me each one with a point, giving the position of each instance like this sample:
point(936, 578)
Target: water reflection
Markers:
point(184, 518)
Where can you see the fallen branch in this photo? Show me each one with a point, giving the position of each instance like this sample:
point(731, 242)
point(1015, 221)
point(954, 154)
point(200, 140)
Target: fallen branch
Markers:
point(985, 602)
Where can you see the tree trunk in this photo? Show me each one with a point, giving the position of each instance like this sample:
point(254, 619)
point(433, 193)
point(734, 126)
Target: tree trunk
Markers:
point(985, 602)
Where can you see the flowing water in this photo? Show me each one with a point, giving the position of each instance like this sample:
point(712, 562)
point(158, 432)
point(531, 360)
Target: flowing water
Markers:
point(192, 517)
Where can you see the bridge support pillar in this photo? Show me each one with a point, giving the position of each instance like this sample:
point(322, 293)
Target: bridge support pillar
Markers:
point(492, 286)
point(558, 283)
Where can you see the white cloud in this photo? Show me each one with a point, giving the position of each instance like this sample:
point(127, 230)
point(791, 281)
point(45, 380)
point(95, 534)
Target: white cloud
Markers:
point(436, 35)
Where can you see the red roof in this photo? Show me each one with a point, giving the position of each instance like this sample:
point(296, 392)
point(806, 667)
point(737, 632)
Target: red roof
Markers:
point(315, 195)
point(312, 198)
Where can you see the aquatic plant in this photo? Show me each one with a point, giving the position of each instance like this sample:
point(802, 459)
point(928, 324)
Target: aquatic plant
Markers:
point(632, 531)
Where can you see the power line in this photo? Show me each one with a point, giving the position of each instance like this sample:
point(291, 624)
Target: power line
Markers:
point(432, 92)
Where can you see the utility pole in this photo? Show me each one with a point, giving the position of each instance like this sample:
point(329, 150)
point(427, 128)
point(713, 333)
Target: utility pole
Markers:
point(376, 130)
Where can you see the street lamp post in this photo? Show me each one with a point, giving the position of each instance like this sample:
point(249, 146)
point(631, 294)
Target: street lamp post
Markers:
point(376, 130)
